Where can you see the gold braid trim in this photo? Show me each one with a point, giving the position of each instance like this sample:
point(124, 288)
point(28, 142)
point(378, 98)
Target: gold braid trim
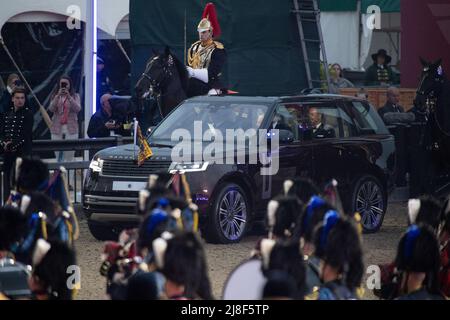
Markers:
point(44, 229)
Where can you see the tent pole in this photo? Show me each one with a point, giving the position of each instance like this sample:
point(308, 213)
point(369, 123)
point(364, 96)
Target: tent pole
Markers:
point(89, 64)
point(44, 113)
point(359, 13)
point(119, 44)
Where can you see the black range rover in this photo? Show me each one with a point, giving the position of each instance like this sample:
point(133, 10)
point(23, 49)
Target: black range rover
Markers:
point(320, 137)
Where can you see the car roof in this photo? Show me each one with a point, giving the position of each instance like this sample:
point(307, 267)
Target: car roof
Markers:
point(271, 100)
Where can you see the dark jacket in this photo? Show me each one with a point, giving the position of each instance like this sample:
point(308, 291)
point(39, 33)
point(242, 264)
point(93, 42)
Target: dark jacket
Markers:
point(376, 76)
point(18, 128)
point(389, 107)
point(215, 70)
point(324, 131)
point(97, 128)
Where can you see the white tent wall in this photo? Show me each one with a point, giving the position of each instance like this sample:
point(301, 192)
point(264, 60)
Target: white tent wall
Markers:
point(340, 36)
point(33, 9)
point(341, 32)
point(111, 13)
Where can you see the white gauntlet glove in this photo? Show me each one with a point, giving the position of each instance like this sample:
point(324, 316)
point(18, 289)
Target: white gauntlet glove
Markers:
point(200, 74)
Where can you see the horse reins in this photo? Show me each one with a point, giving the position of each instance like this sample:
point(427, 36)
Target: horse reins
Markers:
point(156, 84)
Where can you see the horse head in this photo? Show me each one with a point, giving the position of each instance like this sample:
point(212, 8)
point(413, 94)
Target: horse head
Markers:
point(159, 69)
point(432, 78)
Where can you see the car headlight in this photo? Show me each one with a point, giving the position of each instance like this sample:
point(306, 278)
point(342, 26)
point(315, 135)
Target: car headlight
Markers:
point(96, 165)
point(188, 167)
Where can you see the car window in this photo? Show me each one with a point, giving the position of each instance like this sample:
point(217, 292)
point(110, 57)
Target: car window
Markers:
point(286, 118)
point(217, 116)
point(348, 126)
point(366, 119)
point(323, 121)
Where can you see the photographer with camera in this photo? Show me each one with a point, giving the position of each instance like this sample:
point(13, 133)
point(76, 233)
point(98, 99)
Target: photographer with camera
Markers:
point(65, 106)
point(102, 123)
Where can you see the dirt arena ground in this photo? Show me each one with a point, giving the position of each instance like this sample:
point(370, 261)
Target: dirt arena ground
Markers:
point(222, 259)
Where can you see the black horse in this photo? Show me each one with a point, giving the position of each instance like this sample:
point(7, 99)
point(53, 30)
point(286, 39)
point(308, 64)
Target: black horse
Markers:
point(433, 96)
point(166, 79)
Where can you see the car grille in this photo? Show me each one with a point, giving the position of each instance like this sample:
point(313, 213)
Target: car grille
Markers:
point(127, 168)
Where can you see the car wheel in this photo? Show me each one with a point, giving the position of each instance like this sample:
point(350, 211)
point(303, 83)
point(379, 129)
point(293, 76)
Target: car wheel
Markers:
point(102, 231)
point(370, 201)
point(229, 215)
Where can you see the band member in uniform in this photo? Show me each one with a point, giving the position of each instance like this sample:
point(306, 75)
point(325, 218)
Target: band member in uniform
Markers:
point(16, 134)
point(206, 57)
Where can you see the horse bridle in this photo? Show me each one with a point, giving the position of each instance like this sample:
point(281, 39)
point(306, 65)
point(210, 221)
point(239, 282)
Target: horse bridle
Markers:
point(431, 100)
point(156, 84)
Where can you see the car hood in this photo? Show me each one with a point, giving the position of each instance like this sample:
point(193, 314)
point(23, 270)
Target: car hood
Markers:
point(130, 152)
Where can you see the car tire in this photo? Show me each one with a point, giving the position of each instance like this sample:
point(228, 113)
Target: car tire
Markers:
point(102, 231)
point(228, 222)
point(369, 199)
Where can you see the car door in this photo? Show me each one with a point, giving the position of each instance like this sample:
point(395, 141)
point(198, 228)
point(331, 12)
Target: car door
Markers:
point(294, 157)
point(327, 147)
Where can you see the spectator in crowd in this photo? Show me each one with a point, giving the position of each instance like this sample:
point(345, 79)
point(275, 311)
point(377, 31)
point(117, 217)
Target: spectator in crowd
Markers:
point(101, 124)
point(338, 245)
point(50, 277)
point(337, 81)
point(5, 100)
point(65, 106)
point(418, 261)
point(380, 73)
point(104, 85)
point(15, 136)
point(392, 103)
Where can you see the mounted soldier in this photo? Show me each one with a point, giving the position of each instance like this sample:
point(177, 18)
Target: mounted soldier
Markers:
point(206, 57)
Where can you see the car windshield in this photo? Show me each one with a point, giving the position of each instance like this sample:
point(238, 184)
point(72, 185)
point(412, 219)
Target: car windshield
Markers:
point(213, 116)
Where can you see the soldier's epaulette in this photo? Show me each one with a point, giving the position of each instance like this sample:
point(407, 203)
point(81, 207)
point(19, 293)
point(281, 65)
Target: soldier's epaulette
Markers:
point(219, 45)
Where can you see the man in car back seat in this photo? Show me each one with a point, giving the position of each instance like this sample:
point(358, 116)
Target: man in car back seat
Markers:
point(320, 130)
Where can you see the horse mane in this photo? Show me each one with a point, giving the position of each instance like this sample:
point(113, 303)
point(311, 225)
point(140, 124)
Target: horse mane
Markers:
point(181, 68)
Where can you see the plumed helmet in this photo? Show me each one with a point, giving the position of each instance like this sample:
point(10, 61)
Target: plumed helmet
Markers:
point(209, 20)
